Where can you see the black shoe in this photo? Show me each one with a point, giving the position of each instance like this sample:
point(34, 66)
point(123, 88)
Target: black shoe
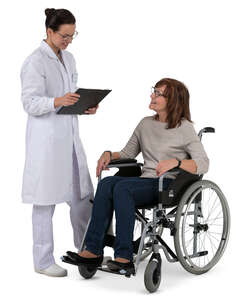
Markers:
point(77, 259)
point(122, 268)
point(68, 260)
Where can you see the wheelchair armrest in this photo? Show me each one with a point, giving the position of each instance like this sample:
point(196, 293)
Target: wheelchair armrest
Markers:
point(120, 163)
point(127, 167)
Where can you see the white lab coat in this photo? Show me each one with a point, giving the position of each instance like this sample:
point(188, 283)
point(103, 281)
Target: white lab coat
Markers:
point(50, 137)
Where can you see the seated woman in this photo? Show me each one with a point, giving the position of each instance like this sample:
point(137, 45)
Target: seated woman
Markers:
point(166, 141)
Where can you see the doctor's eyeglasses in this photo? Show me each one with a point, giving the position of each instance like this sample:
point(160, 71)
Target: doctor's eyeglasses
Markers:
point(67, 37)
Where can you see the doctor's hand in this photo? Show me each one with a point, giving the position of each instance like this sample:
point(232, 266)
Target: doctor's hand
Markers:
point(66, 100)
point(102, 163)
point(91, 111)
point(165, 165)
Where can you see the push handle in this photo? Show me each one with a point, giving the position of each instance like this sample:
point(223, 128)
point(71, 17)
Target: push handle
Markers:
point(205, 130)
point(209, 129)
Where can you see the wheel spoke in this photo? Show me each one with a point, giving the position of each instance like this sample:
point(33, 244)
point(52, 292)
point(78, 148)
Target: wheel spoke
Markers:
point(220, 233)
point(212, 236)
point(212, 208)
point(216, 218)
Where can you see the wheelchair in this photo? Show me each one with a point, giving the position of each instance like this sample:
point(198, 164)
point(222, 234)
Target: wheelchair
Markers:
point(195, 212)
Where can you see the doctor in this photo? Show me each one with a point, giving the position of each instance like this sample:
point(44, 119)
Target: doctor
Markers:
point(55, 168)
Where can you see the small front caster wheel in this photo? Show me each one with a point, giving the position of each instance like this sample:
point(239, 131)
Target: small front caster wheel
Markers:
point(152, 276)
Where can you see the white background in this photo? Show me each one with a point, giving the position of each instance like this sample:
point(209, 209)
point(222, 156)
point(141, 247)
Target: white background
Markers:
point(126, 46)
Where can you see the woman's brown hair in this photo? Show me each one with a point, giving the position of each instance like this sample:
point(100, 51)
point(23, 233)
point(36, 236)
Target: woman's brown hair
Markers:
point(177, 96)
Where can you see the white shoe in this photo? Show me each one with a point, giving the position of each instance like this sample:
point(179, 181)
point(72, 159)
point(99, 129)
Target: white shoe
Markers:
point(54, 271)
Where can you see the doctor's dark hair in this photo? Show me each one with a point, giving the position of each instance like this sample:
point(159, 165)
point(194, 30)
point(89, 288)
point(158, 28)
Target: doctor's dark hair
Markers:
point(177, 96)
point(57, 17)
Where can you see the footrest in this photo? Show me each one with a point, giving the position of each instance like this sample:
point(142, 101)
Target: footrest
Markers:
point(121, 272)
point(106, 269)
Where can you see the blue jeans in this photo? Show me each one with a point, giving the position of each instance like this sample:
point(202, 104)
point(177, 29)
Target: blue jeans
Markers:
point(122, 195)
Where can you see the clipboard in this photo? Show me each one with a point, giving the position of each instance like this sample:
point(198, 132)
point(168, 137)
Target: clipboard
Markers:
point(88, 98)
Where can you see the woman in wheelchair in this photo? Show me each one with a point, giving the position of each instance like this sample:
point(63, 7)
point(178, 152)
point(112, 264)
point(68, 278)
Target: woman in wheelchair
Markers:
point(166, 141)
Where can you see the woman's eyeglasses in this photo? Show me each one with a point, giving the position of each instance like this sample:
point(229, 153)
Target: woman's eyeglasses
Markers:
point(67, 37)
point(156, 92)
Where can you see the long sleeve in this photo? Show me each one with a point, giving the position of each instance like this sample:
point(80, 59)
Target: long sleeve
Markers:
point(132, 148)
point(33, 96)
point(195, 149)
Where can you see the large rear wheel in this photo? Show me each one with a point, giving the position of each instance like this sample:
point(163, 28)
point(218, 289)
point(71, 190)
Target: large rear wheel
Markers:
point(202, 227)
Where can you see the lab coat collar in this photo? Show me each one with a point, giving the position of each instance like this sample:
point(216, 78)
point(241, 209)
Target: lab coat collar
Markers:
point(48, 50)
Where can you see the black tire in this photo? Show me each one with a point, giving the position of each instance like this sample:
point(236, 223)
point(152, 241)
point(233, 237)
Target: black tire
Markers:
point(86, 271)
point(152, 279)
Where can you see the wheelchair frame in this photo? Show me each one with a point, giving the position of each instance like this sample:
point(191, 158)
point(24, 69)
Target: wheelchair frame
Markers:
point(191, 197)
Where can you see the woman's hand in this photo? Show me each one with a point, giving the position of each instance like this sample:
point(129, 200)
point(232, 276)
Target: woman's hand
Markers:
point(91, 111)
point(66, 100)
point(102, 163)
point(165, 165)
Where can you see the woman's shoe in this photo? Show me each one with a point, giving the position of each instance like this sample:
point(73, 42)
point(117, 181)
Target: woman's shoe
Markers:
point(78, 260)
point(68, 260)
point(122, 268)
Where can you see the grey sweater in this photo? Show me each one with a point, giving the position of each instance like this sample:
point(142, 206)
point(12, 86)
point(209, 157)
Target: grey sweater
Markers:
point(158, 143)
